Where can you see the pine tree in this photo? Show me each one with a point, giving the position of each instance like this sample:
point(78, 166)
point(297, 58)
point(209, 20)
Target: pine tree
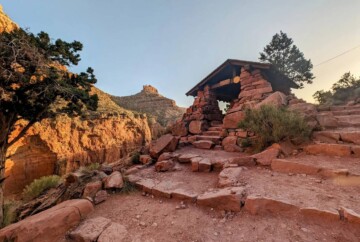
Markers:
point(33, 77)
point(288, 59)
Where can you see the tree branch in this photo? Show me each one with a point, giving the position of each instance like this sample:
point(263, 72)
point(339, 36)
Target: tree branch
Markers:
point(22, 133)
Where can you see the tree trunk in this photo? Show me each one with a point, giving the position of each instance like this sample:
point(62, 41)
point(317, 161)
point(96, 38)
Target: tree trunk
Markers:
point(2, 174)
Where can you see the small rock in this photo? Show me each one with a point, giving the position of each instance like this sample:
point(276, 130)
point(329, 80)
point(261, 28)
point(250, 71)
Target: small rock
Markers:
point(216, 233)
point(143, 224)
point(154, 225)
point(305, 230)
point(138, 216)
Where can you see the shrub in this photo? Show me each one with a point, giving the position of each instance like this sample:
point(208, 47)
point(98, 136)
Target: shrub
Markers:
point(272, 125)
point(10, 215)
point(93, 166)
point(40, 185)
point(135, 158)
point(128, 187)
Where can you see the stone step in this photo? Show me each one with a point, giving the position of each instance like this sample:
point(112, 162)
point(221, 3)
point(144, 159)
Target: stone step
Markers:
point(323, 166)
point(341, 108)
point(338, 136)
point(215, 129)
point(346, 112)
point(275, 193)
point(258, 191)
point(203, 144)
point(215, 139)
point(349, 120)
point(340, 150)
point(211, 133)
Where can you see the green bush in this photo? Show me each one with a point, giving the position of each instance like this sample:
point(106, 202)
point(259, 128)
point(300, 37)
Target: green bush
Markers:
point(10, 212)
point(272, 125)
point(93, 166)
point(38, 186)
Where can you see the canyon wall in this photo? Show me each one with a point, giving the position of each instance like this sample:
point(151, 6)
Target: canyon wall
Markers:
point(62, 144)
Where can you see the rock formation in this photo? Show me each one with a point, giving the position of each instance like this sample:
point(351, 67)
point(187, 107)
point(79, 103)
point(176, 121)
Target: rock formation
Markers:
point(63, 144)
point(6, 24)
point(149, 101)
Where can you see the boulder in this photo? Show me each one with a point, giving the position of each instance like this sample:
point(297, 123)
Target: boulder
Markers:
point(179, 129)
point(203, 144)
point(228, 199)
point(100, 197)
point(166, 143)
point(231, 120)
point(164, 165)
point(230, 144)
point(92, 188)
point(265, 158)
point(204, 165)
point(89, 230)
point(145, 159)
point(195, 163)
point(165, 156)
point(49, 225)
point(229, 176)
point(186, 158)
point(114, 181)
point(197, 126)
point(277, 99)
point(114, 232)
point(327, 120)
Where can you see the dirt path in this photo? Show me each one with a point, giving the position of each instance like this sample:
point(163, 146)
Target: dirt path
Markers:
point(154, 219)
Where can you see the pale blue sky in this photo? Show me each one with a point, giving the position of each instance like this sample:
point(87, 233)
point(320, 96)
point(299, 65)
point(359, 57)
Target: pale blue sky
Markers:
point(173, 44)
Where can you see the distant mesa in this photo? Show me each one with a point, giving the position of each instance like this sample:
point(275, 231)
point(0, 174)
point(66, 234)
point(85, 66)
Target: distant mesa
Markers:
point(149, 101)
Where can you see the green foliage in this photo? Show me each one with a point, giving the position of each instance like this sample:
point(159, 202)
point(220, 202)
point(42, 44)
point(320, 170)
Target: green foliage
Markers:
point(135, 158)
point(344, 90)
point(40, 185)
point(288, 59)
point(10, 215)
point(128, 187)
point(93, 166)
point(272, 125)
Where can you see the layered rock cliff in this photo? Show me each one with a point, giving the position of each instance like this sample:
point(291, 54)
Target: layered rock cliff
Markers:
point(149, 101)
point(6, 24)
point(63, 144)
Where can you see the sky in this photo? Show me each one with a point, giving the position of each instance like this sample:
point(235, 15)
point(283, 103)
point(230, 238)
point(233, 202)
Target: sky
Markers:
point(174, 44)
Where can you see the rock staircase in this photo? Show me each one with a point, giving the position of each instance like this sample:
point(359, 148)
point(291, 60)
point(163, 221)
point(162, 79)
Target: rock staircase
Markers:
point(211, 138)
point(320, 184)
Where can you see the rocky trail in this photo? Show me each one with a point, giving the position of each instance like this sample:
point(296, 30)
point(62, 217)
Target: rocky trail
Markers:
point(209, 194)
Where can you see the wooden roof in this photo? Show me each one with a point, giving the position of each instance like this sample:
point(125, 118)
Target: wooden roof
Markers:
point(227, 69)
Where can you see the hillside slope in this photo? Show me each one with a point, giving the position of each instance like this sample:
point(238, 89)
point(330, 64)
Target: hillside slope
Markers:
point(149, 101)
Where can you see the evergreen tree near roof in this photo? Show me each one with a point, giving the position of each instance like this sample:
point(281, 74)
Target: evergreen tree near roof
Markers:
point(288, 59)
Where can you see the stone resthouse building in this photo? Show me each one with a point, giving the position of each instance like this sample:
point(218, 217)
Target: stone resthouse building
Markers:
point(241, 84)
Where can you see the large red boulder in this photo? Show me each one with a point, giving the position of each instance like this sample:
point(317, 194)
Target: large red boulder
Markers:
point(179, 129)
point(166, 143)
point(231, 120)
point(197, 126)
point(230, 144)
point(49, 225)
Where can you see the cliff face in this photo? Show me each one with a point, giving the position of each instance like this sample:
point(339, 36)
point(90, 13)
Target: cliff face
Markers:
point(149, 101)
point(6, 24)
point(62, 144)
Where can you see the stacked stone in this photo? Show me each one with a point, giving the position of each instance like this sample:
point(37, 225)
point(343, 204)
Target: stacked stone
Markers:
point(205, 107)
point(254, 89)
